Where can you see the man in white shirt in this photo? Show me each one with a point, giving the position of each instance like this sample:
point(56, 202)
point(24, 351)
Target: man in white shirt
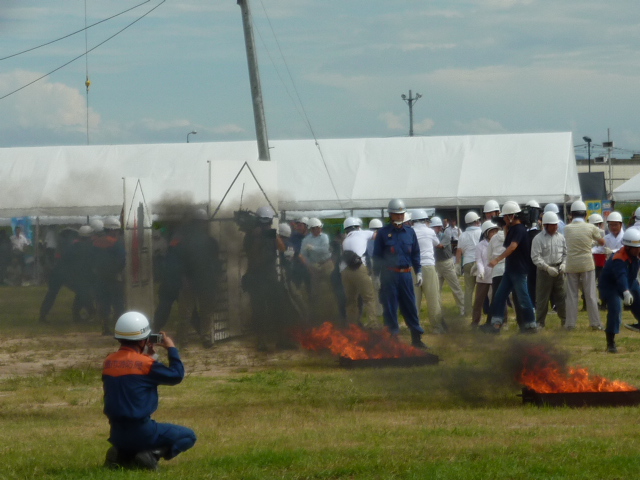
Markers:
point(428, 240)
point(466, 256)
point(613, 239)
point(355, 276)
point(549, 255)
point(580, 267)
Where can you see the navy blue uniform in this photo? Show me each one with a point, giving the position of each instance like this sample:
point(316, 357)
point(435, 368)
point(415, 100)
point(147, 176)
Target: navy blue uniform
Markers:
point(395, 251)
point(130, 381)
point(619, 274)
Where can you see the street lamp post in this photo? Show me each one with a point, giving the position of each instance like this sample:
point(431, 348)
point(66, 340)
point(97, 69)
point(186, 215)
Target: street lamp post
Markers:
point(190, 133)
point(410, 101)
point(588, 140)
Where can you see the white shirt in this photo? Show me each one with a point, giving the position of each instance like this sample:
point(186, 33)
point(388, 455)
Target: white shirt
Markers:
point(482, 262)
point(428, 240)
point(613, 242)
point(495, 249)
point(467, 244)
point(356, 242)
point(19, 242)
point(548, 250)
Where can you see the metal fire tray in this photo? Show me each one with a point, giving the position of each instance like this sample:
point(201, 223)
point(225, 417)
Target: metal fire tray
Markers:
point(428, 359)
point(582, 399)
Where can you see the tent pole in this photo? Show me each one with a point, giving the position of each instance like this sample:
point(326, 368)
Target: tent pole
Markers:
point(209, 203)
point(458, 216)
point(36, 264)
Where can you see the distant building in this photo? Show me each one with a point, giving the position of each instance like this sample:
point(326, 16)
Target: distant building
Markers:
point(622, 169)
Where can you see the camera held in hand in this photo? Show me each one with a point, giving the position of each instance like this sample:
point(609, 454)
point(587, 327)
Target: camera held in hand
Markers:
point(156, 338)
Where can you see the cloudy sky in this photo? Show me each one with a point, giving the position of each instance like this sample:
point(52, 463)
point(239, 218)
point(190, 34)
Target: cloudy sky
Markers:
point(333, 69)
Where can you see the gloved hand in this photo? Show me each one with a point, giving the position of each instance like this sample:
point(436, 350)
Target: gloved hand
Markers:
point(561, 268)
point(458, 269)
point(419, 279)
point(628, 298)
point(552, 271)
point(308, 247)
point(608, 251)
point(474, 270)
point(289, 252)
point(480, 276)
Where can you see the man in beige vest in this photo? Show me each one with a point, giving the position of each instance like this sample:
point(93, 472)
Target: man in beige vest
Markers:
point(580, 237)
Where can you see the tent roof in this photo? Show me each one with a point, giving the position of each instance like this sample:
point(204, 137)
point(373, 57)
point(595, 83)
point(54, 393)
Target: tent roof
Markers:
point(327, 175)
point(629, 191)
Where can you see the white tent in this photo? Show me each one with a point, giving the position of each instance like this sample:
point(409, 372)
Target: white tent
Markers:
point(330, 175)
point(629, 191)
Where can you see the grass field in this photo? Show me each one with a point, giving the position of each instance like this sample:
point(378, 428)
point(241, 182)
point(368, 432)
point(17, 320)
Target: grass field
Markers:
point(296, 415)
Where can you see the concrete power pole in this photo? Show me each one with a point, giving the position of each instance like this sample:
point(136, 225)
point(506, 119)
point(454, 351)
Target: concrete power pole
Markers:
point(254, 78)
point(410, 101)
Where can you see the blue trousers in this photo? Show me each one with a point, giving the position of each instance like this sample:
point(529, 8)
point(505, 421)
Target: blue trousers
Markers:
point(396, 290)
point(614, 308)
point(150, 435)
point(518, 283)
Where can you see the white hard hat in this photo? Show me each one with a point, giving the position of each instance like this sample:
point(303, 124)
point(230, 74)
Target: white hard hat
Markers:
point(396, 206)
point(419, 214)
point(578, 206)
point(471, 217)
point(436, 222)
point(491, 206)
point(304, 220)
point(350, 222)
point(314, 222)
point(201, 214)
point(284, 230)
point(265, 214)
point(407, 216)
point(631, 237)
point(637, 213)
point(614, 217)
point(510, 207)
point(550, 218)
point(533, 204)
point(488, 225)
point(85, 231)
point(96, 225)
point(112, 223)
point(551, 207)
point(594, 218)
point(375, 223)
point(132, 326)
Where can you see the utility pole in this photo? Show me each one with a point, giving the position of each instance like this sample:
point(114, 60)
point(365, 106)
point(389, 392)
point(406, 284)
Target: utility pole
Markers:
point(410, 101)
point(609, 146)
point(254, 79)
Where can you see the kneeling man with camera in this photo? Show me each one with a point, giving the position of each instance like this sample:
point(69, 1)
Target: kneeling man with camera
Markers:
point(130, 379)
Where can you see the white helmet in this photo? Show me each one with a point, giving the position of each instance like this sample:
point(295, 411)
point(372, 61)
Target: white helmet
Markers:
point(533, 204)
point(201, 214)
point(471, 217)
point(488, 225)
point(112, 223)
point(631, 237)
point(284, 230)
point(96, 225)
point(436, 222)
point(637, 213)
point(578, 206)
point(407, 216)
point(314, 222)
point(510, 207)
point(491, 206)
point(550, 218)
point(396, 206)
point(132, 326)
point(351, 222)
point(419, 214)
point(551, 207)
point(614, 217)
point(265, 214)
point(85, 231)
point(594, 219)
point(304, 220)
point(375, 223)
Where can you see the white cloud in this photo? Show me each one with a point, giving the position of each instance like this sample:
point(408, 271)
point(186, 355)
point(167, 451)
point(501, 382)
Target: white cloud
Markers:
point(479, 126)
point(47, 105)
point(423, 126)
point(393, 121)
point(228, 128)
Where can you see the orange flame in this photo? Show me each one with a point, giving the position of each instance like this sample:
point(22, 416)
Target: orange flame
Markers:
point(356, 343)
point(544, 375)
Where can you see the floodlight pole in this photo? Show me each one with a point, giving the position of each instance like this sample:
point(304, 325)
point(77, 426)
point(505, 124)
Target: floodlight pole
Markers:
point(254, 79)
point(410, 101)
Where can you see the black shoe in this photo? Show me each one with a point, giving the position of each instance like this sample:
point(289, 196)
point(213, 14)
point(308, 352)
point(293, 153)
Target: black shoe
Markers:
point(612, 348)
point(419, 344)
point(112, 460)
point(489, 328)
point(161, 452)
point(635, 327)
point(145, 460)
point(529, 330)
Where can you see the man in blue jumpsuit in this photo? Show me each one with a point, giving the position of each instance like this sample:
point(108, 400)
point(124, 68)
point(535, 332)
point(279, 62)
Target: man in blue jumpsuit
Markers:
point(130, 379)
point(395, 251)
point(619, 283)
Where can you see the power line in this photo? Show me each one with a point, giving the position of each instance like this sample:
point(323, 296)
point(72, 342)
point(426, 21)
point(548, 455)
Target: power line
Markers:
point(83, 54)
point(74, 33)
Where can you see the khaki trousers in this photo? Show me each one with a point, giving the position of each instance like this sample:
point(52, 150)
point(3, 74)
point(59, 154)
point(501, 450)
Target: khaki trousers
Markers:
point(469, 287)
point(431, 290)
point(357, 283)
point(447, 272)
point(588, 281)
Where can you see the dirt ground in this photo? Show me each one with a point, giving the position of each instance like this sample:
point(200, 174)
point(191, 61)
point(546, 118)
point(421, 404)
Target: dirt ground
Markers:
point(42, 354)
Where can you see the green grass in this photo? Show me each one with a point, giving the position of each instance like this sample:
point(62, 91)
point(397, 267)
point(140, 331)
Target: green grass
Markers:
point(301, 417)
